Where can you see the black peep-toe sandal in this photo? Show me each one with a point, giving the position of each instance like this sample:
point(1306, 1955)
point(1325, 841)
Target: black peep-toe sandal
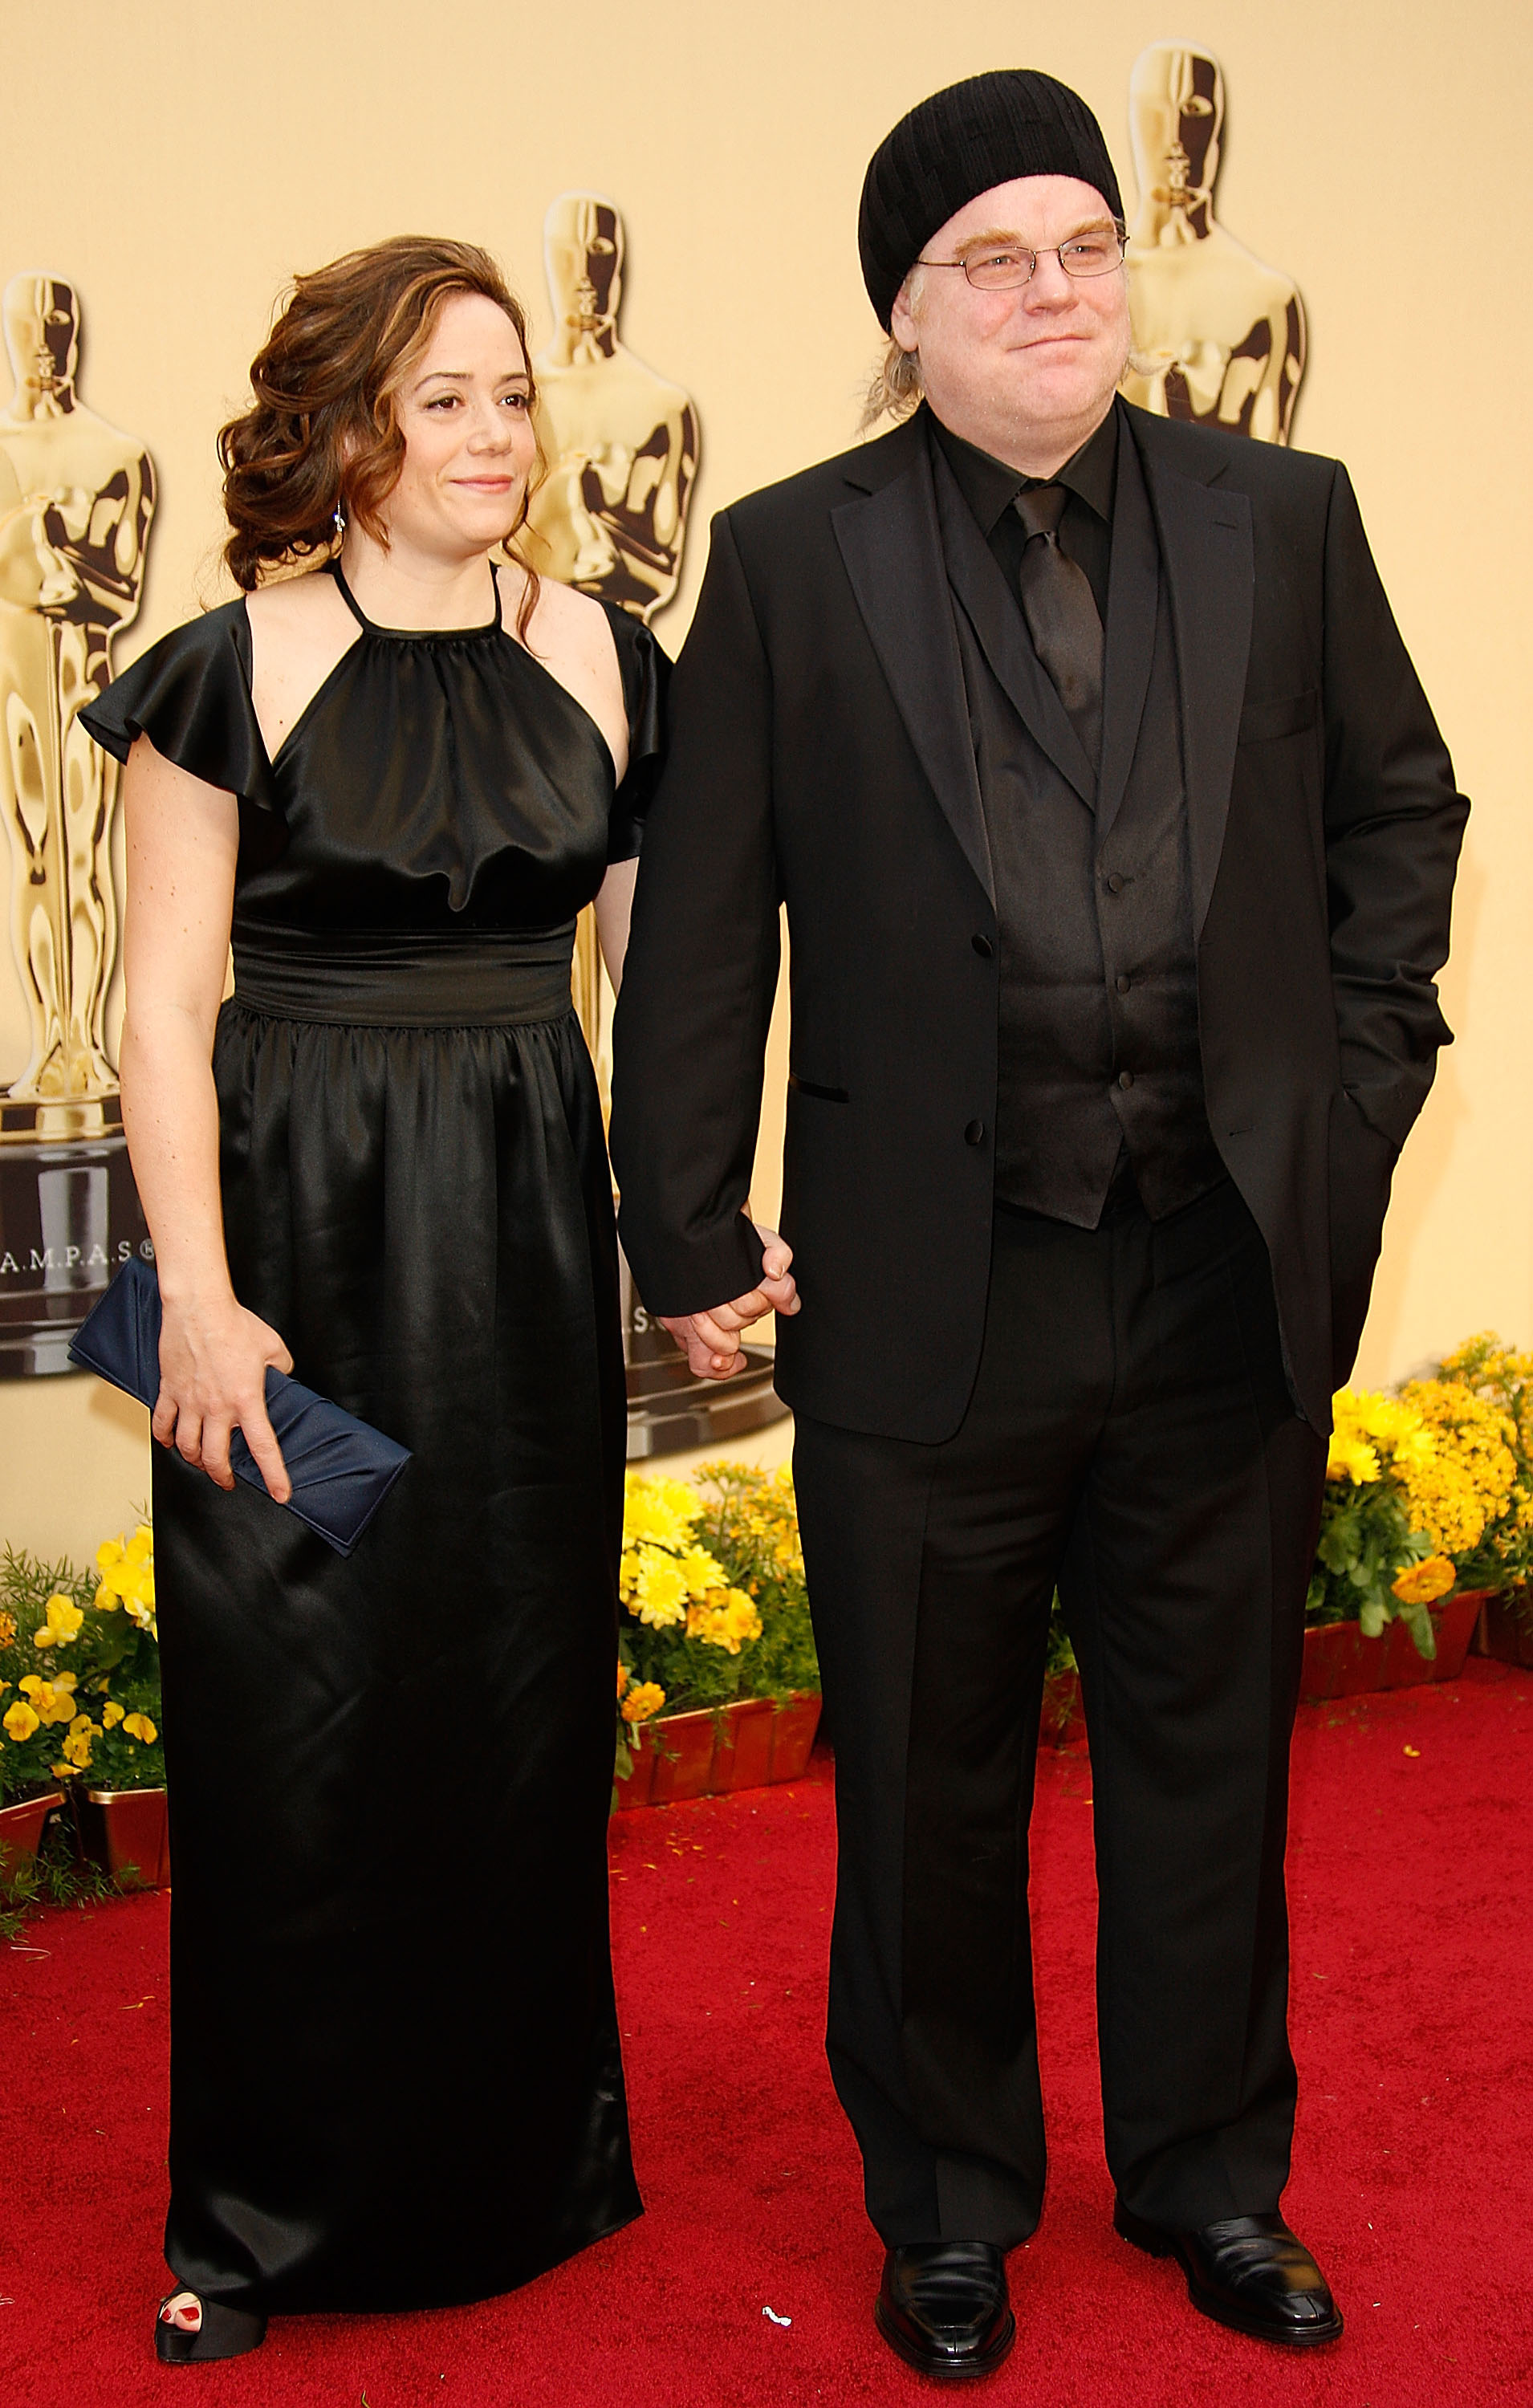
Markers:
point(222, 2332)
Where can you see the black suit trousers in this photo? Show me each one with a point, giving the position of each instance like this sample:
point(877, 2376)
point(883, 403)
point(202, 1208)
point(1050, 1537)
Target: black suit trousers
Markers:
point(1131, 1437)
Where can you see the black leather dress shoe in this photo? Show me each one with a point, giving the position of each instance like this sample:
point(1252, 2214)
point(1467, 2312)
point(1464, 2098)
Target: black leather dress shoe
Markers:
point(1247, 2272)
point(943, 2306)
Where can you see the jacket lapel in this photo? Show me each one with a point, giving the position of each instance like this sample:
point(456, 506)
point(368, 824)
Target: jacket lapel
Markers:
point(1206, 545)
point(890, 543)
point(998, 622)
point(1133, 598)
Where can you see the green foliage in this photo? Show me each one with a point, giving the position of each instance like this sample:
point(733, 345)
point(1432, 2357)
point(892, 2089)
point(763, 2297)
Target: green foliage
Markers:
point(1365, 1544)
point(1059, 1662)
point(750, 1522)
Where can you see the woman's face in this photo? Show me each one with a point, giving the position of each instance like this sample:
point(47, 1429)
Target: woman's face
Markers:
point(465, 413)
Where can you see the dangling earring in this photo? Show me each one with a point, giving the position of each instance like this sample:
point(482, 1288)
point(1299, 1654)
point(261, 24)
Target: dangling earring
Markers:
point(339, 520)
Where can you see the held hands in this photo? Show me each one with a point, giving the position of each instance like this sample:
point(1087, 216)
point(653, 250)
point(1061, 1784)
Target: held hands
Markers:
point(712, 1339)
point(213, 1362)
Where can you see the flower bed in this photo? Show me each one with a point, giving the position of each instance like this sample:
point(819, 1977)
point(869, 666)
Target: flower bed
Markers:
point(706, 1755)
point(80, 1671)
point(1340, 1662)
point(1428, 1504)
point(20, 1832)
point(79, 1723)
point(716, 1620)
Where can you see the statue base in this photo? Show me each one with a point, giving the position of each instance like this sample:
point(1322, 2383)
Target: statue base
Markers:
point(670, 1413)
point(69, 1218)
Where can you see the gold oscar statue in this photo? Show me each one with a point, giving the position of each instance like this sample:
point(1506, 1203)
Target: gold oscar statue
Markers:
point(619, 449)
point(1218, 336)
point(77, 497)
point(620, 442)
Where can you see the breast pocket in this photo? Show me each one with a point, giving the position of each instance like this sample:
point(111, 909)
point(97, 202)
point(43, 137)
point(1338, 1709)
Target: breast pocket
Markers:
point(1290, 715)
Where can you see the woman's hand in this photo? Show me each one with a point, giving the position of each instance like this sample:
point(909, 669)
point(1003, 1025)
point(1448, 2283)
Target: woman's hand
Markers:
point(711, 1338)
point(213, 1363)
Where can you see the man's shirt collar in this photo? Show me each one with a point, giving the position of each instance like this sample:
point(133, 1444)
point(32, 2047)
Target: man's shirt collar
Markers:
point(990, 487)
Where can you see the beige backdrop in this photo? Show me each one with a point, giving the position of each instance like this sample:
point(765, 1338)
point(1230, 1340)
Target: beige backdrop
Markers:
point(176, 160)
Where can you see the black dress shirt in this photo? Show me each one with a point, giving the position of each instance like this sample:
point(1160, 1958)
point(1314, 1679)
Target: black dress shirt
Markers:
point(1086, 531)
point(1099, 1098)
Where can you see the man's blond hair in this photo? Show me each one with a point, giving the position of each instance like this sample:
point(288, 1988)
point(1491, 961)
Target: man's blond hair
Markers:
point(896, 386)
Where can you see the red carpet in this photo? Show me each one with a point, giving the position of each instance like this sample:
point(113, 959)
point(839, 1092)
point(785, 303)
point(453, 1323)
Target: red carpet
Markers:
point(1413, 1831)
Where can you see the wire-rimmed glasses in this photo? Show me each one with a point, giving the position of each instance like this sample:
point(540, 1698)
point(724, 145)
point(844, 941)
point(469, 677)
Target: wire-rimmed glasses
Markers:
point(998, 267)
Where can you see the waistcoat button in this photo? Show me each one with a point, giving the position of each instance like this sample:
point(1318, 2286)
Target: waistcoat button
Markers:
point(983, 947)
point(974, 1134)
point(1126, 1078)
point(1114, 883)
point(1123, 985)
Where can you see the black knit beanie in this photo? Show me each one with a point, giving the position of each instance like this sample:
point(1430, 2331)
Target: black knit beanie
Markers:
point(983, 131)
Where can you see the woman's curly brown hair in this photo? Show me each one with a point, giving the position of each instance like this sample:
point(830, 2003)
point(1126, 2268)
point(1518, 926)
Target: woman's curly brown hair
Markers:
point(322, 434)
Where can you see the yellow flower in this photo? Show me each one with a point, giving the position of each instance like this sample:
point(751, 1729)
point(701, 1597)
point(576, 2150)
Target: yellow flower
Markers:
point(1351, 1458)
point(140, 1726)
point(1375, 1436)
point(659, 1591)
point(128, 1576)
point(1386, 1418)
point(22, 1721)
point(111, 1714)
point(725, 1618)
point(63, 1625)
point(53, 1700)
point(77, 1747)
point(700, 1572)
point(644, 1698)
point(1420, 1584)
point(659, 1510)
point(1471, 1472)
point(7, 1628)
point(622, 1678)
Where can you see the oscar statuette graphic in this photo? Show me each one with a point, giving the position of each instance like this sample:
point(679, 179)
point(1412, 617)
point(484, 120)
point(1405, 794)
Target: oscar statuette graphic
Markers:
point(619, 453)
point(1218, 337)
point(76, 498)
point(620, 442)
point(620, 446)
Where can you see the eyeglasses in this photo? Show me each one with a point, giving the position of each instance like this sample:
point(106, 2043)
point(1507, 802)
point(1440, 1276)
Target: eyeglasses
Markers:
point(1094, 253)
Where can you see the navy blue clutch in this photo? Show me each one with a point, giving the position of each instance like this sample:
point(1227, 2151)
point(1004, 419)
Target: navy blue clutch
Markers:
point(341, 1469)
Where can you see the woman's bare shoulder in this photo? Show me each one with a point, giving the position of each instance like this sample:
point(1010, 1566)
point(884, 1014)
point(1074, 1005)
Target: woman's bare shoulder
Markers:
point(306, 605)
point(563, 616)
point(300, 627)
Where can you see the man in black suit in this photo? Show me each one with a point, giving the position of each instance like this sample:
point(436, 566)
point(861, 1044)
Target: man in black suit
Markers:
point(1117, 842)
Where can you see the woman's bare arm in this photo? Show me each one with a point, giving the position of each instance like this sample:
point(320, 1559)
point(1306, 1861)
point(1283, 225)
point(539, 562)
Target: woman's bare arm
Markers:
point(182, 838)
point(614, 908)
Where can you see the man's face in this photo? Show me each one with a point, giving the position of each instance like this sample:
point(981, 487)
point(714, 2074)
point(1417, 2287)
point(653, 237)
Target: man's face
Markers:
point(1044, 354)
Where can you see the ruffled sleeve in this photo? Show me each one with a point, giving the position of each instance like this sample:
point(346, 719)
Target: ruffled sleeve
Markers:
point(190, 693)
point(646, 672)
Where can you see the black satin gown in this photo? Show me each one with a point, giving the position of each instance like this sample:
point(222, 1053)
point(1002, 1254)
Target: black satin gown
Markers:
point(396, 2078)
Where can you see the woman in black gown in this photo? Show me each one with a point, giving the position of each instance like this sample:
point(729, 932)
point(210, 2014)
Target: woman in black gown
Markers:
point(396, 2078)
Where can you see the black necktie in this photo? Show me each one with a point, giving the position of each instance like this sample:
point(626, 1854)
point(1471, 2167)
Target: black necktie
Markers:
point(1061, 612)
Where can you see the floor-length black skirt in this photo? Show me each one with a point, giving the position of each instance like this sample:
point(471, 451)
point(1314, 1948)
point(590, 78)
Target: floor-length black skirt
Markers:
point(396, 2075)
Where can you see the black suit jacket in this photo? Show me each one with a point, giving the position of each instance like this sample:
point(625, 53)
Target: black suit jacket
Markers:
point(821, 755)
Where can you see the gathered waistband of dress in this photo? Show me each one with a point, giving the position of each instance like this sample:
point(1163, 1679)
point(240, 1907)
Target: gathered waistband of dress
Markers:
point(368, 979)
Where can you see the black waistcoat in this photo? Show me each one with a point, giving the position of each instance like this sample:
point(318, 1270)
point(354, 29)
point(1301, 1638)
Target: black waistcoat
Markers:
point(1098, 1052)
